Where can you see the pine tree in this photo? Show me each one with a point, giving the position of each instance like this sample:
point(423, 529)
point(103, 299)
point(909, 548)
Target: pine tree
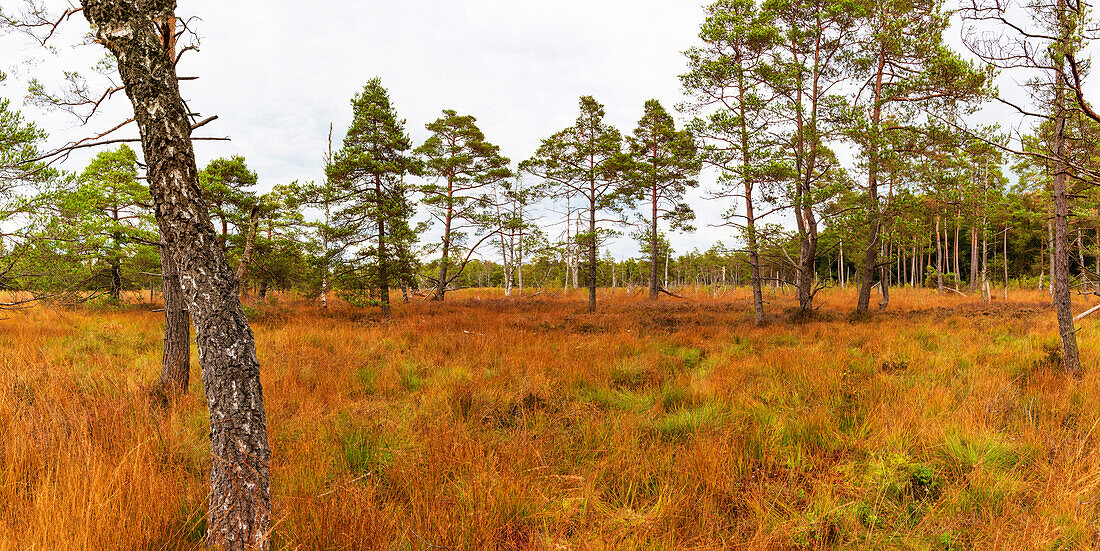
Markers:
point(906, 69)
point(226, 186)
point(584, 161)
point(369, 174)
point(664, 163)
point(465, 168)
point(734, 122)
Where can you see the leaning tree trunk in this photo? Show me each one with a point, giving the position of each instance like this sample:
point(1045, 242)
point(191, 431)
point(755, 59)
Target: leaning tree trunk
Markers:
point(239, 517)
point(249, 245)
point(175, 372)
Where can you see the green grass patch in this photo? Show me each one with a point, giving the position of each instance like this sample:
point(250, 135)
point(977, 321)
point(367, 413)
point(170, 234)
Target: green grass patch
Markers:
point(686, 423)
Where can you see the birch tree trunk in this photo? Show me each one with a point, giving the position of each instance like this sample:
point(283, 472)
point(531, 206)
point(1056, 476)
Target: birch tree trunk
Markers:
point(239, 515)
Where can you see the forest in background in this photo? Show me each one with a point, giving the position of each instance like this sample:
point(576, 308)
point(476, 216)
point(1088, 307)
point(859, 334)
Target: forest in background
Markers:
point(925, 201)
point(778, 93)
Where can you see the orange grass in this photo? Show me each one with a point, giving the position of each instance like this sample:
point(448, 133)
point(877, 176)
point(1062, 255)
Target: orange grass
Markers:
point(491, 423)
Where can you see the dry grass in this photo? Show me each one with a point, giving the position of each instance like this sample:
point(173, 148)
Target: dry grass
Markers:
point(487, 423)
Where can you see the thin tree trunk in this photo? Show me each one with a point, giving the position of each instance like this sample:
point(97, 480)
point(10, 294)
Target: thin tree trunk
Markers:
point(1006, 261)
point(249, 245)
point(974, 266)
point(445, 260)
point(939, 258)
point(884, 281)
point(592, 252)
point(654, 293)
point(1050, 244)
point(383, 259)
point(985, 259)
point(958, 269)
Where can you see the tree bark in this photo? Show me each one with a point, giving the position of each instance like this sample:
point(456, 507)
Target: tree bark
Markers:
point(249, 245)
point(870, 254)
point(958, 269)
point(654, 293)
point(1050, 244)
point(239, 517)
point(884, 282)
point(441, 286)
point(985, 259)
point(1062, 303)
point(974, 258)
point(592, 252)
point(383, 275)
point(175, 372)
point(939, 258)
point(1006, 262)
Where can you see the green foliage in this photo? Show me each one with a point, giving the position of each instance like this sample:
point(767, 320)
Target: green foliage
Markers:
point(367, 452)
point(464, 169)
point(226, 186)
point(686, 423)
point(584, 162)
point(372, 236)
point(662, 164)
point(95, 231)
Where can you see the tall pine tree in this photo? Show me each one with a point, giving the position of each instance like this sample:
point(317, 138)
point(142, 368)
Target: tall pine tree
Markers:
point(374, 209)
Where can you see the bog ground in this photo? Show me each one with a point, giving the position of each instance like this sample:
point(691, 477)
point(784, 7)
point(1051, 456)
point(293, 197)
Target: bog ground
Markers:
point(491, 423)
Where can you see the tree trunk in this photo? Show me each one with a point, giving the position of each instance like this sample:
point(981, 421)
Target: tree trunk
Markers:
point(654, 293)
point(939, 258)
point(175, 372)
point(884, 281)
point(974, 266)
point(240, 495)
point(870, 254)
point(1081, 254)
point(115, 290)
point(958, 269)
point(1062, 303)
point(1006, 262)
point(249, 245)
point(441, 286)
point(1050, 244)
point(985, 259)
point(383, 260)
point(592, 253)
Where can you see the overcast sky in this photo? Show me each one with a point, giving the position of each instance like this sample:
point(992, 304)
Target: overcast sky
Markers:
point(277, 73)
